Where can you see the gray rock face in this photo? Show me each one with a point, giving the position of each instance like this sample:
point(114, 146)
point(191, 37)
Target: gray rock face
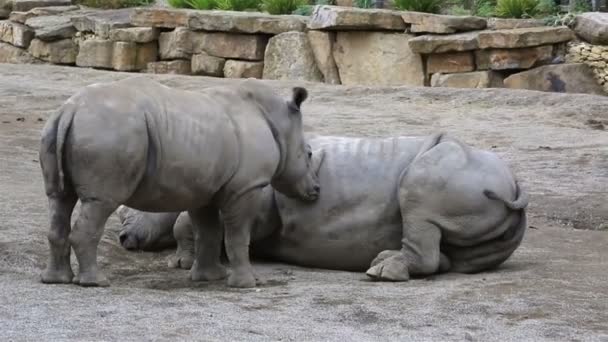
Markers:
point(243, 69)
point(434, 23)
point(95, 53)
point(6, 7)
point(102, 22)
point(560, 78)
point(289, 57)
point(506, 24)
point(178, 67)
point(16, 34)
point(14, 55)
point(593, 27)
point(523, 58)
point(203, 64)
point(134, 34)
point(52, 27)
point(26, 5)
point(57, 52)
point(322, 43)
point(352, 18)
point(476, 79)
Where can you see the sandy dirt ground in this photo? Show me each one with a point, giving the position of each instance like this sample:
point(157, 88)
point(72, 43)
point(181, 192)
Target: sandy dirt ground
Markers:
point(555, 287)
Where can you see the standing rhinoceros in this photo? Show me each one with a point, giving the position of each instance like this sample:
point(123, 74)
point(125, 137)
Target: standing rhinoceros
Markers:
point(404, 206)
point(139, 143)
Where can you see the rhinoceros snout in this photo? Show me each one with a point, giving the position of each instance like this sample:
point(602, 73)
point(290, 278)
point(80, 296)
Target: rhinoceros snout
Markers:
point(128, 241)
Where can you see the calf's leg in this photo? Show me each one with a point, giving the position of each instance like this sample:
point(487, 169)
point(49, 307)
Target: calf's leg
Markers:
point(184, 235)
point(207, 245)
point(58, 269)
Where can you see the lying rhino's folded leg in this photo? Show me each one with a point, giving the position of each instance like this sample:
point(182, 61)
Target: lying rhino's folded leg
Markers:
point(184, 235)
point(207, 231)
point(146, 231)
point(239, 217)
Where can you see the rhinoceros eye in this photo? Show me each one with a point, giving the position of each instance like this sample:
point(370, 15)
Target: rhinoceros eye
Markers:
point(309, 154)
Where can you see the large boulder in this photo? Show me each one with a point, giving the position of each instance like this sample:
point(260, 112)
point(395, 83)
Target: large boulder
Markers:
point(476, 79)
point(523, 37)
point(134, 34)
point(177, 44)
point(203, 64)
point(503, 59)
point(435, 23)
point(52, 27)
point(289, 57)
point(243, 69)
point(16, 34)
point(561, 78)
point(26, 5)
point(15, 55)
point(377, 58)
point(57, 52)
point(96, 53)
point(231, 45)
point(322, 43)
point(130, 56)
point(352, 18)
point(593, 27)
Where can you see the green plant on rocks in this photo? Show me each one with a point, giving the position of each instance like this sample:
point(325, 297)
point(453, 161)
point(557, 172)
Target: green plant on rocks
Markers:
point(110, 4)
point(516, 8)
point(426, 6)
point(282, 6)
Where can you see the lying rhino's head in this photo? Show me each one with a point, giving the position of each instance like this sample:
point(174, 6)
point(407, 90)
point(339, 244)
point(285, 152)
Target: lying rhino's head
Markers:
point(296, 176)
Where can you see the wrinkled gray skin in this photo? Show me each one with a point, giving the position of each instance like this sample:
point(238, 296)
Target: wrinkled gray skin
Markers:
point(139, 143)
point(396, 207)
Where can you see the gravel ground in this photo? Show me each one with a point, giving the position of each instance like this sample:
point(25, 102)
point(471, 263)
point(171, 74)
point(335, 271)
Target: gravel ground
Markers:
point(553, 288)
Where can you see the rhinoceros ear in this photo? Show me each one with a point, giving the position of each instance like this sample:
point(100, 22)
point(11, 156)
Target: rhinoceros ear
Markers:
point(317, 159)
point(299, 95)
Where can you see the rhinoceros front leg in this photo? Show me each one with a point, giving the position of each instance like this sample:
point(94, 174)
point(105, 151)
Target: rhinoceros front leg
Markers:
point(184, 235)
point(85, 238)
point(238, 218)
point(58, 269)
point(207, 245)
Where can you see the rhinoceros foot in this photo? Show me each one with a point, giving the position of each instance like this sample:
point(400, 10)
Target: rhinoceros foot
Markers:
point(241, 279)
point(91, 280)
point(390, 266)
point(57, 276)
point(208, 272)
point(181, 260)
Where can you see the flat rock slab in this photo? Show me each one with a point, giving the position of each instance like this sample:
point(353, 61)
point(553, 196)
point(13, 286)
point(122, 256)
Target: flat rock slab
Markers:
point(560, 78)
point(52, 27)
point(504, 59)
point(507, 24)
point(487, 39)
point(435, 23)
point(21, 17)
point(102, 22)
point(593, 27)
point(223, 21)
point(134, 34)
point(177, 67)
point(26, 5)
point(16, 34)
point(475, 79)
point(352, 18)
point(450, 62)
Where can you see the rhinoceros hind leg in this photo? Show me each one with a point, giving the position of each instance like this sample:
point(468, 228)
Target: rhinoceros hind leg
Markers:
point(58, 269)
point(207, 231)
point(85, 238)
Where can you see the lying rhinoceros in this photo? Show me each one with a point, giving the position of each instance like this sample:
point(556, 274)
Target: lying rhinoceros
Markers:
point(139, 143)
point(406, 206)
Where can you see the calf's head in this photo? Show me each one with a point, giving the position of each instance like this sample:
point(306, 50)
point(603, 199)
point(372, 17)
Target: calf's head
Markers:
point(296, 175)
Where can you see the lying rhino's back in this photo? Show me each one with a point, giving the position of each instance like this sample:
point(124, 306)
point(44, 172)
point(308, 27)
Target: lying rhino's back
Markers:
point(357, 214)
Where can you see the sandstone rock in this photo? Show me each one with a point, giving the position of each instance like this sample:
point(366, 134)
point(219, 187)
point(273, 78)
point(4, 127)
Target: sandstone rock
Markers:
point(289, 57)
point(22, 17)
point(102, 22)
point(231, 45)
point(523, 37)
point(561, 78)
point(177, 44)
point(507, 24)
point(130, 56)
point(15, 55)
point(203, 64)
point(96, 53)
point(243, 69)
point(181, 67)
point(134, 34)
point(52, 27)
point(477, 79)
point(16, 34)
point(450, 62)
point(352, 18)
point(57, 52)
point(245, 22)
point(524, 58)
point(223, 21)
point(444, 43)
point(26, 5)
point(322, 43)
point(376, 58)
point(160, 17)
point(592, 27)
point(435, 23)
point(6, 7)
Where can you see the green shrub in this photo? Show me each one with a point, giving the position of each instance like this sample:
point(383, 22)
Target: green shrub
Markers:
point(303, 10)
point(484, 8)
point(458, 10)
point(546, 8)
point(516, 8)
point(364, 3)
point(282, 6)
point(201, 4)
point(114, 3)
point(427, 6)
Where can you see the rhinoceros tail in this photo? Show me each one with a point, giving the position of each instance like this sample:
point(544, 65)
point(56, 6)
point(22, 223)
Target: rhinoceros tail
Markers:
point(51, 148)
point(520, 202)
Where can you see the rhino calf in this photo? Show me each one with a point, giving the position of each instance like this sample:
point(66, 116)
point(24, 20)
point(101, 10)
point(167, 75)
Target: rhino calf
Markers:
point(394, 207)
point(139, 143)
